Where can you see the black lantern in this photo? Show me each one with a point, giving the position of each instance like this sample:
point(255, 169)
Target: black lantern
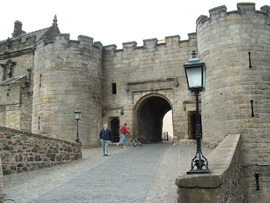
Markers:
point(77, 116)
point(195, 74)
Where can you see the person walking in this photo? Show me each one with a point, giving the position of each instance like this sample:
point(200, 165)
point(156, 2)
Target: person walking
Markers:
point(124, 132)
point(105, 137)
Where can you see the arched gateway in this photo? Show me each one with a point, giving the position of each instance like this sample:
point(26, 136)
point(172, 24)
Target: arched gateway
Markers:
point(149, 113)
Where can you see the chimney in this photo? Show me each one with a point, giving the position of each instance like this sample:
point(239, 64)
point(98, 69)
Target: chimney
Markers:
point(17, 29)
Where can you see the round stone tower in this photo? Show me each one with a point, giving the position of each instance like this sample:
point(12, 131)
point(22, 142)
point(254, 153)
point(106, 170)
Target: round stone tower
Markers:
point(67, 76)
point(235, 47)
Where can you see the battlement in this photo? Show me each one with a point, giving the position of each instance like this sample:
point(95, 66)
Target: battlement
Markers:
point(153, 43)
point(243, 9)
point(11, 45)
point(63, 41)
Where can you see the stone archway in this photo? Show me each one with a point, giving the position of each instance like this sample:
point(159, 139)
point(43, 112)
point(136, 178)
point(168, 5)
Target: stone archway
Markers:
point(150, 112)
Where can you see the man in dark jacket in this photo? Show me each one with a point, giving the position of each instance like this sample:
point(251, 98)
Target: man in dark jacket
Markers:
point(105, 137)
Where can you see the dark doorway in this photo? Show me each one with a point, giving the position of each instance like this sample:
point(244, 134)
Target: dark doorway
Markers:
point(150, 118)
point(192, 124)
point(114, 124)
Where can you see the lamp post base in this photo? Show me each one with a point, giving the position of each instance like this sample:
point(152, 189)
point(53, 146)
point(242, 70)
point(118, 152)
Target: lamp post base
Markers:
point(77, 140)
point(191, 172)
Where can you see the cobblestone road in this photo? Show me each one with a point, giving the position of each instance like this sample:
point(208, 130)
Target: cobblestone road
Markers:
point(134, 174)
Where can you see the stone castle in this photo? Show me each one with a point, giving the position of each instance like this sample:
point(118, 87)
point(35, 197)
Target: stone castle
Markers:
point(45, 76)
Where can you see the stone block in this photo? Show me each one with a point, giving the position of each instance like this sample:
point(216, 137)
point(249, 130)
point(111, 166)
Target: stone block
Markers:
point(58, 158)
point(246, 8)
point(38, 158)
point(150, 43)
point(7, 172)
point(131, 46)
point(217, 12)
point(9, 147)
point(67, 156)
point(18, 158)
point(52, 157)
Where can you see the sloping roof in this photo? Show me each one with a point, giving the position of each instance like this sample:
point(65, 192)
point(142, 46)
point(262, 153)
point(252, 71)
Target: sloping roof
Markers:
point(37, 33)
point(49, 32)
point(11, 80)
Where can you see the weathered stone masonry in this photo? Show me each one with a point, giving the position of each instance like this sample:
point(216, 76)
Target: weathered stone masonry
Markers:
point(24, 151)
point(145, 73)
point(224, 184)
point(225, 40)
point(45, 76)
point(68, 75)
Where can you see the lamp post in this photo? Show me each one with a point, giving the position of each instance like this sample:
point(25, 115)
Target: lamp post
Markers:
point(195, 73)
point(77, 115)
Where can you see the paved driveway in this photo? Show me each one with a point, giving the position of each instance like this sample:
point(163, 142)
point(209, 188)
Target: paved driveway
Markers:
point(134, 174)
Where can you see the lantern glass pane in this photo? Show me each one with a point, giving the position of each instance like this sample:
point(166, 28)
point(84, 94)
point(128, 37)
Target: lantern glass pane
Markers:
point(194, 76)
point(77, 114)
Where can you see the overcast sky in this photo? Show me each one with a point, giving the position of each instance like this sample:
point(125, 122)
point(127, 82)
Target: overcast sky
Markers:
point(111, 21)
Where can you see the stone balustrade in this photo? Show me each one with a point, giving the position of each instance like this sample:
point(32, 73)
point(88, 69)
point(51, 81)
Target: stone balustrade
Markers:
point(224, 184)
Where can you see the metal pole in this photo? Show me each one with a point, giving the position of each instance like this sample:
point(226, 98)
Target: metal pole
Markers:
point(198, 130)
point(199, 163)
point(77, 140)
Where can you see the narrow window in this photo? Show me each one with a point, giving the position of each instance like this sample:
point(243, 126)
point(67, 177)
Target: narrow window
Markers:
point(257, 181)
point(114, 88)
point(252, 110)
point(249, 59)
point(39, 123)
point(40, 76)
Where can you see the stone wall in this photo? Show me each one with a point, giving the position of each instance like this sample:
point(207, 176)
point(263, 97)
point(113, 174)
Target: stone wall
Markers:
point(154, 71)
point(16, 105)
point(24, 151)
point(235, 47)
point(16, 94)
point(23, 63)
point(224, 184)
point(2, 193)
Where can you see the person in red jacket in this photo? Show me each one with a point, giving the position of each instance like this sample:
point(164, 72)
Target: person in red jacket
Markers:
point(124, 132)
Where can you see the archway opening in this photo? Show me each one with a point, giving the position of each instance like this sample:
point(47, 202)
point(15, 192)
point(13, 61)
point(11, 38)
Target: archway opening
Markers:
point(150, 118)
point(167, 130)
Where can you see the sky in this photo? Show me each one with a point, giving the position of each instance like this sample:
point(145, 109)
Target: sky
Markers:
point(112, 21)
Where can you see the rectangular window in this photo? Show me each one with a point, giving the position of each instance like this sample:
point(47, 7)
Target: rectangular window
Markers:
point(114, 88)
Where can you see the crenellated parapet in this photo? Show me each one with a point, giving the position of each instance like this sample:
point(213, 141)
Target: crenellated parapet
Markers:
point(243, 9)
point(63, 41)
point(154, 43)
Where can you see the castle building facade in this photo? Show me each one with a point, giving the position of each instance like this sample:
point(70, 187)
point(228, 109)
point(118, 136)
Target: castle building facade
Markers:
point(45, 76)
